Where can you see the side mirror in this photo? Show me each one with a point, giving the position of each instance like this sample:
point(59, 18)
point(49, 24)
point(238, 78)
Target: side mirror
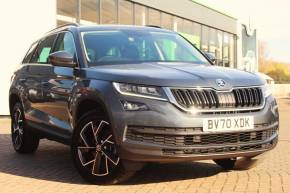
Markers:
point(210, 56)
point(62, 58)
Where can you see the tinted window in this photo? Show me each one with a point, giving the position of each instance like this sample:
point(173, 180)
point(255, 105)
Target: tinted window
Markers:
point(125, 46)
point(29, 53)
point(43, 50)
point(65, 42)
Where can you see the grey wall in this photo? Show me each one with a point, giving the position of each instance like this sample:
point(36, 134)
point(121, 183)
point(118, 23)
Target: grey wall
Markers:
point(194, 11)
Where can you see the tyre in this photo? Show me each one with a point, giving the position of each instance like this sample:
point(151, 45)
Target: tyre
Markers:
point(23, 140)
point(94, 151)
point(227, 164)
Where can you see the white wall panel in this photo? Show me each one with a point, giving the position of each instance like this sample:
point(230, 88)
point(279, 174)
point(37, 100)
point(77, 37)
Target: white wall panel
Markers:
point(22, 22)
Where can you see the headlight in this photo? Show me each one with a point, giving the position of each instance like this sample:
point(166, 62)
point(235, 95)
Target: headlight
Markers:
point(140, 91)
point(266, 90)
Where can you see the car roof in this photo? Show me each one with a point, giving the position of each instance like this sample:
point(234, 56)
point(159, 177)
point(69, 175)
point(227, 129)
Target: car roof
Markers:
point(84, 28)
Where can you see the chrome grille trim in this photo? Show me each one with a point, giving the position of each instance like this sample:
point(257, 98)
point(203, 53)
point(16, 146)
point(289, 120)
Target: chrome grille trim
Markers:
point(211, 100)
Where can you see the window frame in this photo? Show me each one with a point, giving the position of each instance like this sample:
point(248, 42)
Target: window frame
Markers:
point(76, 58)
point(36, 43)
point(39, 42)
point(74, 42)
point(53, 48)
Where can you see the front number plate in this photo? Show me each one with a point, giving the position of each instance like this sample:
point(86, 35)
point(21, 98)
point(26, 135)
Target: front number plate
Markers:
point(228, 123)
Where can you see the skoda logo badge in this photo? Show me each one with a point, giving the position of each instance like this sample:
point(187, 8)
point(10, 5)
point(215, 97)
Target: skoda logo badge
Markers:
point(220, 82)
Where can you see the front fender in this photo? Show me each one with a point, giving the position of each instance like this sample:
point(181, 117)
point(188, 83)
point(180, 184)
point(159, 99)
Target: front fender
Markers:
point(94, 90)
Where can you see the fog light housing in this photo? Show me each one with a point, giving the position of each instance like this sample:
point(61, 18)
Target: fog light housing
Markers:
point(134, 106)
point(274, 108)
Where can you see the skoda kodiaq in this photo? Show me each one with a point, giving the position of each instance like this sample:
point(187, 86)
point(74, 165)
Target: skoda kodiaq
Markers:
point(123, 96)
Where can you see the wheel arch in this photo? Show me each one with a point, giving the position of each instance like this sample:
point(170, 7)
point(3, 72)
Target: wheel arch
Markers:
point(87, 104)
point(13, 99)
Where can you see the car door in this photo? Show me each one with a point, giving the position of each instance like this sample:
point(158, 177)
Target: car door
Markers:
point(35, 67)
point(57, 87)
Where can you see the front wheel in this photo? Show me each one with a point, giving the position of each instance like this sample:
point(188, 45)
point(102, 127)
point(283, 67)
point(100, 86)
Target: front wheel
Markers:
point(94, 151)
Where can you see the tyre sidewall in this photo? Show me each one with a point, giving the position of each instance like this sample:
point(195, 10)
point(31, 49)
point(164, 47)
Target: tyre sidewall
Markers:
point(30, 141)
point(114, 177)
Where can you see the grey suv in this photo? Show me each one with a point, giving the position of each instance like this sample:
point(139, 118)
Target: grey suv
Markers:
point(123, 96)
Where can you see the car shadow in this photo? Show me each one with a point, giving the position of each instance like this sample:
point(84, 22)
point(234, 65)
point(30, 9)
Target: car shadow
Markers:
point(157, 173)
point(52, 162)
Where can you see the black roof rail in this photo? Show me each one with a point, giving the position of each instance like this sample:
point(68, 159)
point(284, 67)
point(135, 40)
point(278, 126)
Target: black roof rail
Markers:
point(65, 25)
point(155, 26)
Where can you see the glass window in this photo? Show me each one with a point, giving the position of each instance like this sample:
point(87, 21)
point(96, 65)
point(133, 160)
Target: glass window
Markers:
point(109, 11)
point(154, 17)
point(67, 7)
point(125, 12)
point(226, 56)
point(65, 42)
point(43, 50)
point(187, 26)
point(205, 39)
point(178, 24)
point(213, 41)
point(232, 51)
point(67, 10)
point(131, 46)
point(219, 49)
point(30, 53)
point(196, 34)
point(166, 21)
point(140, 14)
point(90, 10)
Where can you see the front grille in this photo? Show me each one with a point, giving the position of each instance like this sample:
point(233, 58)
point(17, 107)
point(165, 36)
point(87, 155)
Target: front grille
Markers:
point(168, 137)
point(212, 99)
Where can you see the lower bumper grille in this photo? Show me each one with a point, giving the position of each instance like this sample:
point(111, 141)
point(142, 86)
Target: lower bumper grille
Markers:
point(220, 150)
point(170, 137)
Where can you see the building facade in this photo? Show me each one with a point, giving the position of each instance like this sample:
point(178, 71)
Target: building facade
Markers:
point(210, 30)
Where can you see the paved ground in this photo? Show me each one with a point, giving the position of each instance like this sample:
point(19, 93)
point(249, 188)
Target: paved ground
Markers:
point(51, 170)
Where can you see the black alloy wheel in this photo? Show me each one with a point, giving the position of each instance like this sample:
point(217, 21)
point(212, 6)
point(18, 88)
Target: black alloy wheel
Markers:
point(95, 152)
point(23, 140)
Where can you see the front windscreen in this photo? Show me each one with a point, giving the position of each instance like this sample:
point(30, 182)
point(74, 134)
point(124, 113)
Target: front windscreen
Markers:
point(138, 46)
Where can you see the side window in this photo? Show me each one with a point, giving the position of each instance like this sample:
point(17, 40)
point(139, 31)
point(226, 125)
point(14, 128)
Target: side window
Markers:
point(29, 53)
point(65, 42)
point(43, 50)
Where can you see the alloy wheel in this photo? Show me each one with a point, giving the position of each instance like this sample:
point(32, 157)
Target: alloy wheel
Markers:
point(17, 128)
point(96, 148)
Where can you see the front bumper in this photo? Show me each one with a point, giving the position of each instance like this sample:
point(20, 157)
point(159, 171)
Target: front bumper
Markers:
point(166, 134)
